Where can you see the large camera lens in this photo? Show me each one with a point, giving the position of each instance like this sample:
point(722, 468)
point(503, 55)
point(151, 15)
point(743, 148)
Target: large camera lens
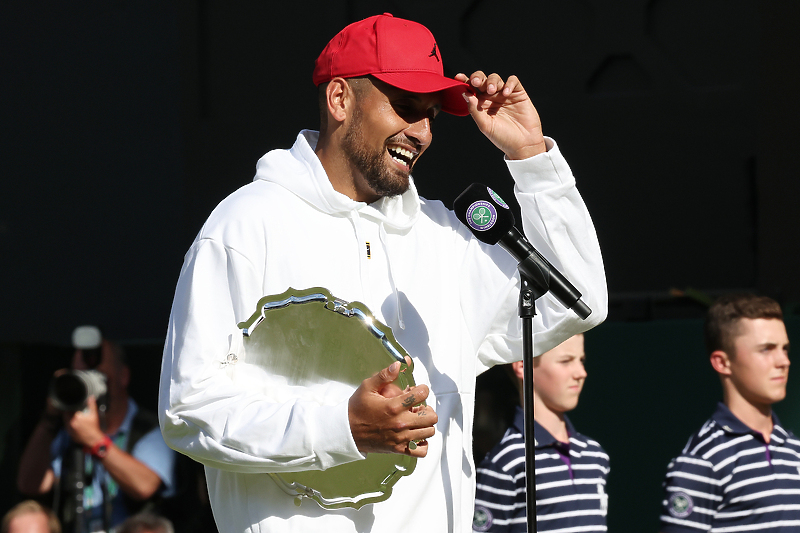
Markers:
point(70, 390)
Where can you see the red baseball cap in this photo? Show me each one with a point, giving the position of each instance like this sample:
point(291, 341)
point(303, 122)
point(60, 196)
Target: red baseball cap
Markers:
point(399, 52)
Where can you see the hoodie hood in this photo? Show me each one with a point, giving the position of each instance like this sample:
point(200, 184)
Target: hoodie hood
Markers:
point(299, 170)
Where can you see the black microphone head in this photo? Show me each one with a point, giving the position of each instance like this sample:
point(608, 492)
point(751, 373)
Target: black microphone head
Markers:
point(484, 213)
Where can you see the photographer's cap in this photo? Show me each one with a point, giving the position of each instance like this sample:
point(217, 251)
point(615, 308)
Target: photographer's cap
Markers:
point(399, 52)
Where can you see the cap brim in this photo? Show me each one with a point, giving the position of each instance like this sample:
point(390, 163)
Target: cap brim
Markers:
point(428, 82)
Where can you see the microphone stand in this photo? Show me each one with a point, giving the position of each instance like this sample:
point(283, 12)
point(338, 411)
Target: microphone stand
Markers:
point(529, 292)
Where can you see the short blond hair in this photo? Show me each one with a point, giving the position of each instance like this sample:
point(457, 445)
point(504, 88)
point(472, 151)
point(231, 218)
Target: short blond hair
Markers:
point(31, 507)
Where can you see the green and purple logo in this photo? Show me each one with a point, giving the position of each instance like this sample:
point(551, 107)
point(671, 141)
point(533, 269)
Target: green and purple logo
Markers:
point(680, 505)
point(496, 198)
point(481, 215)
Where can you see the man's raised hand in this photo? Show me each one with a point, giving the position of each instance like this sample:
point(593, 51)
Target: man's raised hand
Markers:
point(504, 113)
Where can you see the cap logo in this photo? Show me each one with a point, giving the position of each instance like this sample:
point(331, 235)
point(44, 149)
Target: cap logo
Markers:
point(481, 215)
point(435, 53)
point(496, 198)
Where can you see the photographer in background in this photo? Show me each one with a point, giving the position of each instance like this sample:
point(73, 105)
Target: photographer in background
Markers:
point(125, 460)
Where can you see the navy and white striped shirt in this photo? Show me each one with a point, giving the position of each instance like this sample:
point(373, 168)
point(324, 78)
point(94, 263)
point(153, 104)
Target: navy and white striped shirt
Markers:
point(570, 483)
point(728, 479)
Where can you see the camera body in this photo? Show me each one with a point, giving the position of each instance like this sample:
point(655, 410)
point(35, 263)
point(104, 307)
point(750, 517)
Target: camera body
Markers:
point(70, 390)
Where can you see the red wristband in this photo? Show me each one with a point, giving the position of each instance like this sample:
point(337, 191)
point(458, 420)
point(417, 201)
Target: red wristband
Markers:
point(99, 450)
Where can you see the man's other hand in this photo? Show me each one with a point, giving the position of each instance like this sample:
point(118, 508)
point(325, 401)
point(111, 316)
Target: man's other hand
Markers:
point(386, 419)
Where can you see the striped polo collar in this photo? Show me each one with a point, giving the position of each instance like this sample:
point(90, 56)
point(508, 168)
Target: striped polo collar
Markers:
point(543, 437)
point(726, 420)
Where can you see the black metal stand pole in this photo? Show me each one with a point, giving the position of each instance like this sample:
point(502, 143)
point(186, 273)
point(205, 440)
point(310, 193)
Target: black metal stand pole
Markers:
point(529, 293)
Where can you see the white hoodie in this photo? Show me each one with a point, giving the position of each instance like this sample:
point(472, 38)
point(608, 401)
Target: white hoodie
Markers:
point(450, 300)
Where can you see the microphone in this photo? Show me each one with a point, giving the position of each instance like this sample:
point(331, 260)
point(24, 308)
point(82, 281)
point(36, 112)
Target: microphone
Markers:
point(491, 221)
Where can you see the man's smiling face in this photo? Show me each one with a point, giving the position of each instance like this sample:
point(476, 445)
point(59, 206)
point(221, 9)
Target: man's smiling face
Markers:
point(387, 132)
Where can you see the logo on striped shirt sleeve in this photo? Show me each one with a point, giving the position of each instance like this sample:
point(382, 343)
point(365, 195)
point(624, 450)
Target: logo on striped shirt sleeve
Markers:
point(482, 519)
point(680, 505)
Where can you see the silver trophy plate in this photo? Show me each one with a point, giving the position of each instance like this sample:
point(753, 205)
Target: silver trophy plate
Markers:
point(310, 338)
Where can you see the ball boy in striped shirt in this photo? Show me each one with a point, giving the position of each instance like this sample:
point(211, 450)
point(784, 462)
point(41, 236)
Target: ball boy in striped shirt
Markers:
point(571, 469)
point(741, 471)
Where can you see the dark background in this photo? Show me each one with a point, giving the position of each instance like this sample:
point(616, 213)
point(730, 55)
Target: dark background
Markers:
point(124, 123)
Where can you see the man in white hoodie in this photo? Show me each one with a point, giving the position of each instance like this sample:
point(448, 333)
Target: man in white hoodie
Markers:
point(358, 228)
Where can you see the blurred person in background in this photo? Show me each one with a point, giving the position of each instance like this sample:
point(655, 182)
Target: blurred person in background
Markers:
point(30, 517)
point(126, 464)
point(145, 523)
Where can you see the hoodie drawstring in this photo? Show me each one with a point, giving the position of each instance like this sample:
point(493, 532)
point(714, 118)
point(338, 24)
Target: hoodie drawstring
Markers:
point(355, 219)
point(395, 292)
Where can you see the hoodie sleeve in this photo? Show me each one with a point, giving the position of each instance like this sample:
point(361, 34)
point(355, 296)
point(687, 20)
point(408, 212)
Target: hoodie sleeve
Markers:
point(556, 222)
point(204, 411)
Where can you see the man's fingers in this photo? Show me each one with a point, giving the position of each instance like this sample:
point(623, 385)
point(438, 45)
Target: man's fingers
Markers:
point(389, 373)
point(383, 376)
point(419, 418)
point(490, 85)
point(412, 397)
point(494, 84)
point(417, 446)
point(477, 78)
point(420, 449)
point(511, 85)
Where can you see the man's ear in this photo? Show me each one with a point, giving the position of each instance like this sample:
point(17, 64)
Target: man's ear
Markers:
point(720, 362)
point(339, 97)
point(518, 369)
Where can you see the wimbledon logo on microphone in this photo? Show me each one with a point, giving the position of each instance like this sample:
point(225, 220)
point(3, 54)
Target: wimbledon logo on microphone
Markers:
point(481, 215)
point(496, 198)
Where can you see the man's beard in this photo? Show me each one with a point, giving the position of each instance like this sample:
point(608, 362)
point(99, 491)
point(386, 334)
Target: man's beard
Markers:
point(384, 180)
